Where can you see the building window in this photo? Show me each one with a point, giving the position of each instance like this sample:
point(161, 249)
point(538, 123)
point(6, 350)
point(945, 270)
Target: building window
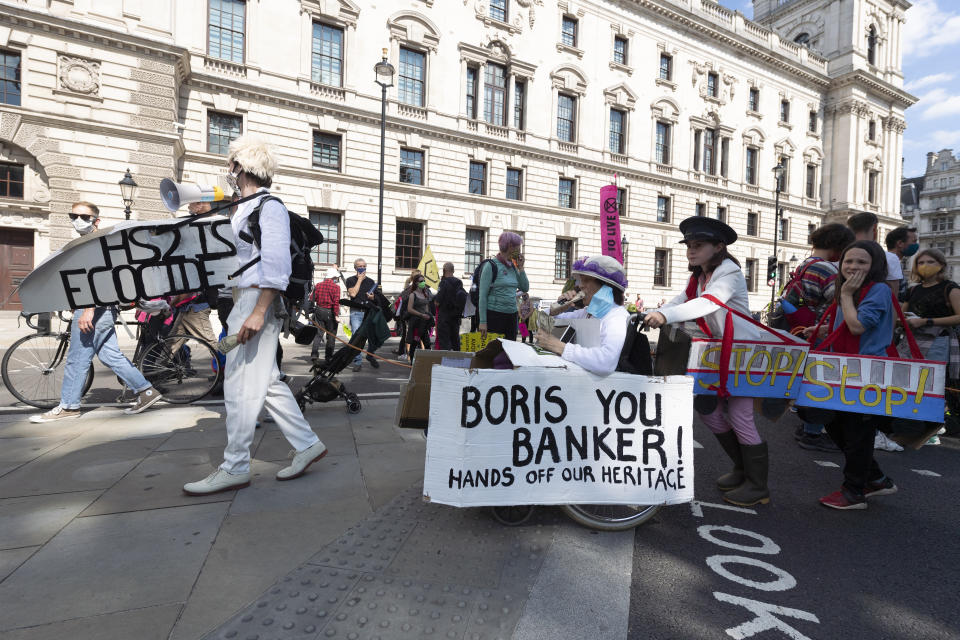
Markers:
point(411, 166)
point(872, 130)
point(721, 213)
point(750, 173)
point(942, 223)
point(710, 151)
point(326, 151)
point(724, 156)
point(222, 128)
point(753, 223)
point(519, 103)
point(712, 82)
point(666, 67)
point(622, 201)
point(471, 105)
point(10, 91)
point(568, 193)
point(785, 176)
point(872, 186)
point(328, 251)
point(568, 31)
point(811, 185)
point(618, 120)
point(11, 180)
point(566, 117)
point(620, 50)
point(409, 244)
point(498, 10)
point(411, 77)
point(473, 251)
point(783, 230)
point(495, 94)
point(803, 39)
point(514, 184)
point(753, 99)
point(225, 29)
point(750, 273)
point(812, 125)
point(872, 45)
point(563, 259)
point(478, 178)
point(701, 209)
point(697, 139)
point(326, 55)
point(811, 227)
point(784, 111)
point(662, 150)
point(661, 267)
point(663, 209)
point(782, 273)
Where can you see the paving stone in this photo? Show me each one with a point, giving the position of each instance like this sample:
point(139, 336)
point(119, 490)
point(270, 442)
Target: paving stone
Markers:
point(150, 623)
point(113, 424)
point(10, 559)
point(32, 520)
point(26, 449)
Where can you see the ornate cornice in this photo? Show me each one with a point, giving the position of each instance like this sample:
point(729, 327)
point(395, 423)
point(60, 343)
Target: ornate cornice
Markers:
point(875, 85)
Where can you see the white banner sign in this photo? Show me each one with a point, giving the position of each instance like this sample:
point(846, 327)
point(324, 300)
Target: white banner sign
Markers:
point(130, 261)
point(545, 436)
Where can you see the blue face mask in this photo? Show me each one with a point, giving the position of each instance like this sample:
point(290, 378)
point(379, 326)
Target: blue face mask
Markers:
point(361, 270)
point(911, 249)
point(602, 302)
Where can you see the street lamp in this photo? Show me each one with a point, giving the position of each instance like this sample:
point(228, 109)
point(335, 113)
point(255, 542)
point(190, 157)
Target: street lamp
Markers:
point(384, 78)
point(778, 177)
point(624, 245)
point(793, 262)
point(127, 190)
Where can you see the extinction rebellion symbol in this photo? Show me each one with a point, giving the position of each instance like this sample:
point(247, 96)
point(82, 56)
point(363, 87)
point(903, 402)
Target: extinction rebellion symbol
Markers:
point(610, 205)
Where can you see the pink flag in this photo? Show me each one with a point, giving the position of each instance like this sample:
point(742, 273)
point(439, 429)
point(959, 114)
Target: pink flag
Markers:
point(610, 223)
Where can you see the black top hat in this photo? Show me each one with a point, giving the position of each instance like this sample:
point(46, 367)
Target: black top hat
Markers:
point(703, 228)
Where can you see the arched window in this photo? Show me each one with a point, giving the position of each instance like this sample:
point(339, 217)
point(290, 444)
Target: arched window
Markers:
point(872, 45)
point(803, 39)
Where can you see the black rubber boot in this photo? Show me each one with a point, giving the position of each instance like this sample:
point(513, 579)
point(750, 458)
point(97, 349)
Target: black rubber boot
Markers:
point(735, 478)
point(756, 464)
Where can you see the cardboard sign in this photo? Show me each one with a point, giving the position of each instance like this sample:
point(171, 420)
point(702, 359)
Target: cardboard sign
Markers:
point(473, 342)
point(539, 436)
point(757, 369)
point(909, 389)
point(610, 223)
point(130, 261)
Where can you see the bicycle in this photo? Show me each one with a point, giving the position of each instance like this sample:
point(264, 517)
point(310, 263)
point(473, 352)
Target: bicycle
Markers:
point(601, 517)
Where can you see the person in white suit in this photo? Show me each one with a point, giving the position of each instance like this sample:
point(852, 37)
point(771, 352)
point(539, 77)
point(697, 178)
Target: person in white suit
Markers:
point(714, 271)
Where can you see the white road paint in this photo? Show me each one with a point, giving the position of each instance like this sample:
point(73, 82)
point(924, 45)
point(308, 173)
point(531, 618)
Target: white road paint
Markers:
point(782, 581)
point(696, 508)
point(926, 472)
point(766, 618)
point(767, 546)
point(827, 463)
point(697, 445)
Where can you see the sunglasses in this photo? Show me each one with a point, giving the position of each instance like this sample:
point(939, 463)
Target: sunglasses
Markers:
point(82, 216)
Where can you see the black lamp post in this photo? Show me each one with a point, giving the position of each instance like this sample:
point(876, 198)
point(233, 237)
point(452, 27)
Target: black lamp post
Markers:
point(127, 190)
point(624, 245)
point(384, 78)
point(777, 213)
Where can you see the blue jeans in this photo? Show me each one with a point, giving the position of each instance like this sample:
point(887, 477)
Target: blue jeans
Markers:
point(356, 318)
point(102, 341)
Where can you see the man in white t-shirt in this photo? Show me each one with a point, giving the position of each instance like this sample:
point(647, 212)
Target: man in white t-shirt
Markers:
point(901, 243)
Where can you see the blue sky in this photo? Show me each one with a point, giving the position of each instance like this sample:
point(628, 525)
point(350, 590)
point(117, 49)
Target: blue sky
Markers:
point(931, 71)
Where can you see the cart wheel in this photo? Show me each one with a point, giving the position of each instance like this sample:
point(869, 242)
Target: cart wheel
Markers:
point(353, 403)
point(512, 515)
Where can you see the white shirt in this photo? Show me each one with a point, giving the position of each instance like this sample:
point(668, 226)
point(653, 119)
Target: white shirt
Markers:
point(613, 334)
point(273, 270)
point(894, 269)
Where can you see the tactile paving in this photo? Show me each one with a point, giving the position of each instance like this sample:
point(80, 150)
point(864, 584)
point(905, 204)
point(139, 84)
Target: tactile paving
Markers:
point(411, 570)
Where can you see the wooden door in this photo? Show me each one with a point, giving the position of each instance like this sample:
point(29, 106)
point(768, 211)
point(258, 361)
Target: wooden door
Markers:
point(16, 261)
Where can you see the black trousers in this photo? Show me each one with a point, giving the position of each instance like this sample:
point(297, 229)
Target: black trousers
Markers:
point(448, 332)
point(328, 321)
point(854, 434)
point(420, 326)
point(505, 323)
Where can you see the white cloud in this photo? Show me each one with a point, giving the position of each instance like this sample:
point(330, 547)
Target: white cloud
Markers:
point(926, 81)
point(928, 28)
point(938, 104)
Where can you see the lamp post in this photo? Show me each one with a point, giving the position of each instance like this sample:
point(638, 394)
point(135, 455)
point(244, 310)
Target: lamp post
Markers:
point(778, 177)
point(384, 78)
point(624, 245)
point(127, 190)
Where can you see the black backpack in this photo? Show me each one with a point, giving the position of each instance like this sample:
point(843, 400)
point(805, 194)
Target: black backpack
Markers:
point(475, 285)
point(303, 237)
point(635, 355)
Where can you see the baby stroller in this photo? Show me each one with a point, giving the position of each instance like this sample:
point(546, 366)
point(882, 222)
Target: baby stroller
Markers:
point(324, 386)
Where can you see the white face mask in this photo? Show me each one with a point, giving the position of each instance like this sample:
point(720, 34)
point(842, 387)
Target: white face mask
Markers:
point(83, 227)
point(231, 180)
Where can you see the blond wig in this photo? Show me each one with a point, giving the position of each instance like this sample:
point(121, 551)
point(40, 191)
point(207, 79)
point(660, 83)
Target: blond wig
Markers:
point(254, 155)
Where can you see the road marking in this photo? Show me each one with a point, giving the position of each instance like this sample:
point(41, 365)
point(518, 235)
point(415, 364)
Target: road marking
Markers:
point(697, 445)
point(826, 463)
point(767, 546)
point(393, 379)
point(783, 581)
point(926, 472)
point(697, 511)
point(765, 618)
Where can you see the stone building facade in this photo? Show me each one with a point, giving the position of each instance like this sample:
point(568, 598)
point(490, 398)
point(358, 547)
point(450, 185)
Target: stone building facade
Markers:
point(505, 115)
point(931, 203)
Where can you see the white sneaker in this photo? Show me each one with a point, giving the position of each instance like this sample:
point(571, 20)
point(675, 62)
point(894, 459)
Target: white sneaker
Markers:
point(882, 442)
point(302, 460)
point(942, 431)
point(57, 413)
point(217, 481)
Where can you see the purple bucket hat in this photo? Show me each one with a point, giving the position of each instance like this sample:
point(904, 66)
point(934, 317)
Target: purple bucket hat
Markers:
point(604, 268)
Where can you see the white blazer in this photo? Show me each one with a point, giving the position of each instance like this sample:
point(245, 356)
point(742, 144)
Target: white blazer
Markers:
point(727, 285)
point(613, 335)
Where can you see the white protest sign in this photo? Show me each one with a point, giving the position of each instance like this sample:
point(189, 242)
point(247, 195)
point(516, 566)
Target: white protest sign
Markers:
point(130, 261)
point(548, 436)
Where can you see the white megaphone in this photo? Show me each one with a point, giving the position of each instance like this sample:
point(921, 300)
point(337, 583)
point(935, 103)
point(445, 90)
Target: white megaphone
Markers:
point(175, 195)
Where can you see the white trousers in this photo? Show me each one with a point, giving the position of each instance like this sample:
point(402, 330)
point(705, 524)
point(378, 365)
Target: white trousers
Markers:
point(252, 381)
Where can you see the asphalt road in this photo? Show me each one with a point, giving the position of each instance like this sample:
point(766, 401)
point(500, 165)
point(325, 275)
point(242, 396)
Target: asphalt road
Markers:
point(795, 569)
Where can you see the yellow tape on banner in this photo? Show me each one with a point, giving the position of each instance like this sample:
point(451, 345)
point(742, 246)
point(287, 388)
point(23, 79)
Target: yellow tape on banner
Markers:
point(473, 342)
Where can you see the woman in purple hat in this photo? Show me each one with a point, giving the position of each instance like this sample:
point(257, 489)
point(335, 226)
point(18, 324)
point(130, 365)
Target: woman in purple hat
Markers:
point(602, 281)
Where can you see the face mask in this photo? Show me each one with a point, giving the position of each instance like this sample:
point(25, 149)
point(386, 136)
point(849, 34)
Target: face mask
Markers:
point(602, 302)
point(231, 180)
point(83, 227)
point(928, 270)
point(911, 249)
point(422, 285)
point(361, 269)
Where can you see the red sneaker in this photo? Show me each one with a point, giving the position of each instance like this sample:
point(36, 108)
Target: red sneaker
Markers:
point(843, 500)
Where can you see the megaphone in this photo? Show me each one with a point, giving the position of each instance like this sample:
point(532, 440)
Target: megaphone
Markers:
point(175, 195)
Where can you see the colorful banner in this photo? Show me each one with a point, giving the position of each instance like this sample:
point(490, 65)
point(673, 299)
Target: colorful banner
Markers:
point(908, 389)
point(610, 223)
point(428, 267)
point(531, 436)
point(756, 369)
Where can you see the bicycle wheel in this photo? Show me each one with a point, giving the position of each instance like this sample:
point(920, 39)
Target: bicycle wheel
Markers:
point(610, 517)
point(181, 367)
point(32, 369)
